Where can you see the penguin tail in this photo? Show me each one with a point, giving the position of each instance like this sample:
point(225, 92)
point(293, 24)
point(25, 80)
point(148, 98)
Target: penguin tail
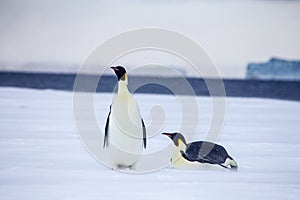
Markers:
point(231, 164)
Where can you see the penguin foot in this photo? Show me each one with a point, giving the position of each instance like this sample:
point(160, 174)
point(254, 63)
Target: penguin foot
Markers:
point(121, 166)
point(133, 166)
point(233, 168)
point(124, 167)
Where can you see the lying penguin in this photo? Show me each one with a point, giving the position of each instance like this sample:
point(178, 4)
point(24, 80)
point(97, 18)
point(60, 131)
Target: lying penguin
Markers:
point(199, 155)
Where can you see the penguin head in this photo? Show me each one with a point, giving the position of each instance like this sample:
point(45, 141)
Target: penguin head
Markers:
point(120, 72)
point(176, 137)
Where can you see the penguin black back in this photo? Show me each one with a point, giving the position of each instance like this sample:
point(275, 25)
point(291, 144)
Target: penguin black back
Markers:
point(211, 152)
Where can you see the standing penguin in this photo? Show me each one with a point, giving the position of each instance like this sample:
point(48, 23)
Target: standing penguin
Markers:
point(198, 155)
point(125, 132)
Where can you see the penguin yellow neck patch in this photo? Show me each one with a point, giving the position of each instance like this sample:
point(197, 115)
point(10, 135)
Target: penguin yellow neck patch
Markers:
point(180, 142)
point(124, 77)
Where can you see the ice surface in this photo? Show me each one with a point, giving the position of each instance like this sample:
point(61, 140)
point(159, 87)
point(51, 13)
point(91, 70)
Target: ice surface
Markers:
point(42, 156)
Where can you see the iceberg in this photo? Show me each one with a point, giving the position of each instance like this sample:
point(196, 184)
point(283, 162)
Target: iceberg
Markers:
point(274, 69)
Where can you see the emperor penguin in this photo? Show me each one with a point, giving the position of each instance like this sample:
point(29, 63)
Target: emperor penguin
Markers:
point(125, 132)
point(199, 154)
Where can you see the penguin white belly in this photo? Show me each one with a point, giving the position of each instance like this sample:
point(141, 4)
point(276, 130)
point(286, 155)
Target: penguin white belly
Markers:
point(125, 133)
point(182, 163)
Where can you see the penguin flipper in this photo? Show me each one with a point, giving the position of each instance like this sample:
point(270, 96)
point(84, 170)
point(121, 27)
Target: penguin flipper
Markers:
point(210, 161)
point(144, 134)
point(198, 159)
point(106, 129)
point(186, 156)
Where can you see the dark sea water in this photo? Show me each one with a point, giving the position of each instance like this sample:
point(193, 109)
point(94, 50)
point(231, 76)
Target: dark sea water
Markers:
point(287, 90)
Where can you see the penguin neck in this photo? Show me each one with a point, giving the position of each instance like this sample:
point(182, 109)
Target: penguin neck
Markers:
point(181, 146)
point(123, 86)
point(176, 153)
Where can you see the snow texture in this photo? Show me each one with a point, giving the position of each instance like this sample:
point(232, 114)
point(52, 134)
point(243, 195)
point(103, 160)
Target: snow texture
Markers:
point(42, 156)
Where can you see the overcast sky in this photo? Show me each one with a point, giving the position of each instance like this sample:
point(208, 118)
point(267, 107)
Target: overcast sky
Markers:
point(232, 32)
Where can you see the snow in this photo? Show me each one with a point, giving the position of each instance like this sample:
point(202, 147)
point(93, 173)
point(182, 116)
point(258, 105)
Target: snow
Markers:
point(42, 156)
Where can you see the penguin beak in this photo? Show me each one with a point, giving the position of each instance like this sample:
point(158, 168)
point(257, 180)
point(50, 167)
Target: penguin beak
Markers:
point(114, 68)
point(167, 134)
